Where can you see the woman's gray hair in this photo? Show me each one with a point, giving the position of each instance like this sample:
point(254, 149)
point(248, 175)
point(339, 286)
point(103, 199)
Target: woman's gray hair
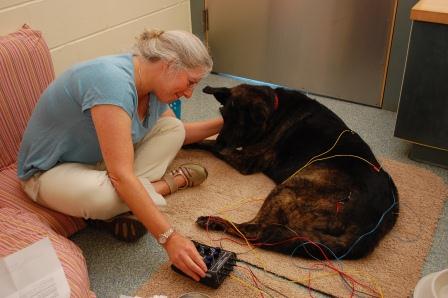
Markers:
point(180, 48)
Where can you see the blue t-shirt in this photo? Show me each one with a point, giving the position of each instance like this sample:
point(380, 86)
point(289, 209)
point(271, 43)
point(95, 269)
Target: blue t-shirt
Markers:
point(61, 128)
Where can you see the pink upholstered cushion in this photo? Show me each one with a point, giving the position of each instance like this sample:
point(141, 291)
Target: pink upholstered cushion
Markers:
point(11, 195)
point(19, 229)
point(26, 70)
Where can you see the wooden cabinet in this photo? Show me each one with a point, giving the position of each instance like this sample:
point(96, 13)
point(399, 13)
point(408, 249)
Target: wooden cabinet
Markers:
point(423, 109)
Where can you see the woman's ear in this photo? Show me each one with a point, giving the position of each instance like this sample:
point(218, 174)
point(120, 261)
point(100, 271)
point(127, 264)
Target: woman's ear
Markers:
point(221, 94)
point(168, 67)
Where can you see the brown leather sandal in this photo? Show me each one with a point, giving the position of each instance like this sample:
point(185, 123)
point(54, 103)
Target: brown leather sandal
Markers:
point(125, 227)
point(193, 174)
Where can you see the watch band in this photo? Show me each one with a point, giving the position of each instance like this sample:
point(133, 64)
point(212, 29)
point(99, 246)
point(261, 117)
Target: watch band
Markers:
point(163, 238)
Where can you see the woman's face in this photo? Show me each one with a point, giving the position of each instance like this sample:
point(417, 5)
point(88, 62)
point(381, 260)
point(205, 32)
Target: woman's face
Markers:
point(177, 83)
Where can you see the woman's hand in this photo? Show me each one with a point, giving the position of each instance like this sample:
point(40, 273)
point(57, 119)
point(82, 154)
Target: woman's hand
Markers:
point(184, 256)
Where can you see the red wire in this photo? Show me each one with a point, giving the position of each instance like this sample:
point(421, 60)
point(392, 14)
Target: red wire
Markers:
point(327, 260)
point(254, 278)
point(309, 284)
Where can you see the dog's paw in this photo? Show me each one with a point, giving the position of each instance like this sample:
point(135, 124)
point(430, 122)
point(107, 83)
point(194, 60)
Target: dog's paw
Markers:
point(211, 223)
point(249, 167)
point(247, 171)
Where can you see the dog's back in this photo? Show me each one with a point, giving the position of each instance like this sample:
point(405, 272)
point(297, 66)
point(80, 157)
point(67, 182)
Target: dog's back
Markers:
point(333, 198)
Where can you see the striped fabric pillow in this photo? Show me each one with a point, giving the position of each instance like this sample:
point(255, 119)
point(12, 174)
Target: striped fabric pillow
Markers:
point(26, 70)
point(11, 195)
point(19, 229)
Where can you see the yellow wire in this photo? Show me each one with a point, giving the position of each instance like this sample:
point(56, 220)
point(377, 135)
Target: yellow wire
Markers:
point(315, 158)
point(376, 286)
point(320, 276)
point(352, 273)
point(248, 285)
point(370, 278)
point(339, 155)
point(334, 145)
point(253, 248)
point(305, 165)
point(240, 202)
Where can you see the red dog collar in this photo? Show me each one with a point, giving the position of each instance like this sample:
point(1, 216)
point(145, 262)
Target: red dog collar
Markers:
point(275, 102)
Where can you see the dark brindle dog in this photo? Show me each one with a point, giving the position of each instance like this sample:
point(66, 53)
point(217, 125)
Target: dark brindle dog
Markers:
point(341, 200)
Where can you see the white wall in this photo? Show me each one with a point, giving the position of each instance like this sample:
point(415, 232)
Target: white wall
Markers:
point(77, 30)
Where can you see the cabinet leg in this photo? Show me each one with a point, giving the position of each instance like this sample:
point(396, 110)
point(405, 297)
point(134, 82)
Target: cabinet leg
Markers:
point(429, 155)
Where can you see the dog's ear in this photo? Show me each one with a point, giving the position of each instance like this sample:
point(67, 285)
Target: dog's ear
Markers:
point(221, 94)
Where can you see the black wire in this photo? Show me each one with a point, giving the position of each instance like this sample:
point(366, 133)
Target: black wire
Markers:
point(286, 278)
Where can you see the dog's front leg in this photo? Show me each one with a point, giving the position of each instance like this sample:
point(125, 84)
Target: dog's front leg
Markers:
point(225, 154)
point(248, 160)
point(206, 145)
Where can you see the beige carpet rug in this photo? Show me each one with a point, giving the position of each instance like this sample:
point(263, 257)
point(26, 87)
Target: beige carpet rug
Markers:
point(391, 271)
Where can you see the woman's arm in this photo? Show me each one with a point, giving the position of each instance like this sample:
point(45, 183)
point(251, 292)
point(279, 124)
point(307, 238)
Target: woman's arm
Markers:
point(198, 130)
point(113, 128)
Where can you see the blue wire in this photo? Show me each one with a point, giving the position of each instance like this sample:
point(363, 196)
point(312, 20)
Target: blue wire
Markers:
point(356, 242)
point(368, 233)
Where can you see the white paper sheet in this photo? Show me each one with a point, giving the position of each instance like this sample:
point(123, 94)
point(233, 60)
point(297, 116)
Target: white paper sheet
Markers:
point(34, 271)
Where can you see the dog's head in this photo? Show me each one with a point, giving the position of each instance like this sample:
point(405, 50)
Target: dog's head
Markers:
point(246, 111)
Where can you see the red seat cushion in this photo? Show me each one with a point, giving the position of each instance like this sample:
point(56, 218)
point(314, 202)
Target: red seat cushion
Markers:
point(12, 195)
point(26, 70)
point(19, 229)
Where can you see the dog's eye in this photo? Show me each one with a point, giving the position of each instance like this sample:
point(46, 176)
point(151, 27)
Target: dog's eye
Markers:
point(221, 110)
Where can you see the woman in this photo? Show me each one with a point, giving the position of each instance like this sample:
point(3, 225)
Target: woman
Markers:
point(101, 138)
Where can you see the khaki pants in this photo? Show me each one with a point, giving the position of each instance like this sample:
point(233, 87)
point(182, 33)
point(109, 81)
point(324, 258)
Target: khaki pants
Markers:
point(86, 191)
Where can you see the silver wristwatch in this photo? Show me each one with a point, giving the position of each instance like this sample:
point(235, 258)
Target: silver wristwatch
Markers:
point(165, 235)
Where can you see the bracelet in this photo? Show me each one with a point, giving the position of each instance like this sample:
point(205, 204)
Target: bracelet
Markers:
point(163, 238)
